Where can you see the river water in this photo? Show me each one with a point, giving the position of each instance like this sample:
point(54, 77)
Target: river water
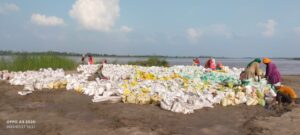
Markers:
point(286, 66)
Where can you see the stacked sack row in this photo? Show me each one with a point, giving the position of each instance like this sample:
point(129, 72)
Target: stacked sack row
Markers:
point(38, 80)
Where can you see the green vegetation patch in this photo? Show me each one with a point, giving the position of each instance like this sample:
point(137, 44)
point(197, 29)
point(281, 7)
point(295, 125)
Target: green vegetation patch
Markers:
point(23, 62)
point(152, 61)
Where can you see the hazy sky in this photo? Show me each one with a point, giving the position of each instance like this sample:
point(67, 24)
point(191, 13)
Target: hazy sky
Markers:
point(231, 28)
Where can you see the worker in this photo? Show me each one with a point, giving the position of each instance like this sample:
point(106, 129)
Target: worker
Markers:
point(104, 61)
point(91, 60)
point(83, 59)
point(197, 61)
point(220, 66)
point(194, 62)
point(243, 78)
point(272, 74)
point(99, 72)
point(211, 63)
point(286, 94)
point(253, 70)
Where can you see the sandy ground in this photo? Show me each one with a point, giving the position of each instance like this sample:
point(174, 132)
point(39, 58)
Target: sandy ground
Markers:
point(63, 112)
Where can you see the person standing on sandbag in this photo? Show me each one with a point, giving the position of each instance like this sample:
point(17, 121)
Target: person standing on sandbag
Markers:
point(220, 66)
point(211, 63)
point(272, 74)
point(99, 73)
point(196, 62)
point(83, 59)
point(91, 59)
point(253, 70)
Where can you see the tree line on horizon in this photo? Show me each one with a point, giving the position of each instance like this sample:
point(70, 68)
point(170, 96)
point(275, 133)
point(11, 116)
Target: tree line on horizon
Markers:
point(4, 52)
point(93, 54)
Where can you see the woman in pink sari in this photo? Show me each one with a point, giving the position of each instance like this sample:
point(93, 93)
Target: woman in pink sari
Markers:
point(91, 60)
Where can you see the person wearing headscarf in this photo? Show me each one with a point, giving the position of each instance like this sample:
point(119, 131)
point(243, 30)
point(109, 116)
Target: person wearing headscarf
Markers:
point(272, 74)
point(286, 94)
point(220, 66)
point(99, 72)
point(194, 62)
point(83, 59)
point(91, 60)
point(253, 70)
point(197, 61)
point(104, 61)
point(211, 63)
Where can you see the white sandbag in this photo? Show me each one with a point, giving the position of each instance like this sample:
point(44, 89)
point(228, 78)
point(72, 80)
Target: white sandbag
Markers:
point(29, 87)
point(165, 105)
point(112, 99)
point(181, 108)
point(24, 92)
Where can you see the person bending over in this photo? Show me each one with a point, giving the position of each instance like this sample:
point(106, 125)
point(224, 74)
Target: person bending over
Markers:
point(286, 95)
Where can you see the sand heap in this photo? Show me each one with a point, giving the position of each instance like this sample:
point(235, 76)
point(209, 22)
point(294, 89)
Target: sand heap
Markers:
point(180, 89)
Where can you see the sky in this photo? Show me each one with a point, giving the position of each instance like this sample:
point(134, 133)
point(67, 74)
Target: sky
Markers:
point(221, 28)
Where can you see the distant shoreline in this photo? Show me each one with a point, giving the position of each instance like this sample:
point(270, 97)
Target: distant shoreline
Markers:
point(5, 53)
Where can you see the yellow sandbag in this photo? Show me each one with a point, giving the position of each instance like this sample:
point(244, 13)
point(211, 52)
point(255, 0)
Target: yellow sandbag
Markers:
point(230, 85)
point(239, 96)
point(64, 82)
point(259, 94)
point(62, 86)
point(185, 85)
point(56, 85)
point(124, 86)
point(124, 98)
point(166, 78)
point(145, 90)
point(143, 99)
point(133, 83)
point(79, 88)
point(224, 102)
point(237, 101)
point(261, 102)
point(252, 101)
point(227, 102)
point(131, 98)
point(231, 95)
point(155, 99)
point(50, 85)
point(126, 92)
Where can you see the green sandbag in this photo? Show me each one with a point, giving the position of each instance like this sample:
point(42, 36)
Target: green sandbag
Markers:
point(261, 102)
point(260, 95)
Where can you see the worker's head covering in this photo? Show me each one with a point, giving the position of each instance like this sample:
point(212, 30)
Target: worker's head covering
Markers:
point(267, 60)
point(220, 64)
point(255, 60)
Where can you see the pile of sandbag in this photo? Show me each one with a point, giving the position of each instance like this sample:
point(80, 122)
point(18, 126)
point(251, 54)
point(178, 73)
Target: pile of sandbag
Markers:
point(181, 89)
point(38, 80)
